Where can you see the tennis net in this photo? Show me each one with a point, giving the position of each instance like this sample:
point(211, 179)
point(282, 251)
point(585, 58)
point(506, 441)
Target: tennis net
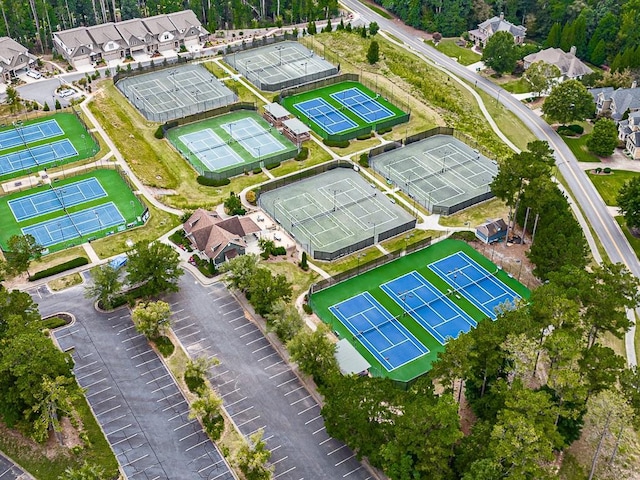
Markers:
point(254, 135)
point(374, 327)
point(64, 207)
point(337, 208)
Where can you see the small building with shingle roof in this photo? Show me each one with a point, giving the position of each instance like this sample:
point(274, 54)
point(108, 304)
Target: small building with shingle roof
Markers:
point(488, 28)
point(190, 30)
point(108, 41)
point(570, 66)
point(136, 36)
point(216, 238)
point(492, 231)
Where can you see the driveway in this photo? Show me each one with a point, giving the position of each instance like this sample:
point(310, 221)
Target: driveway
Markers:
point(134, 397)
point(258, 388)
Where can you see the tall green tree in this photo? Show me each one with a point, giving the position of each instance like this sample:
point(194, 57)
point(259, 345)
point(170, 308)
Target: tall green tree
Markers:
point(266, 289)
point(373, 53)
point(604, 138)
point(554, 37)
point(628, 201)
point(252, 458)
point(153, 265)
point(540, 76)
point(106, 285)
point(569, 101)
point(21, 250)
point(285, 320)
point(240, 271)
point(314, 353)
point(152, 319)
point(207, 407)
point(500, 53)
point(13, 99)
point(55, 399)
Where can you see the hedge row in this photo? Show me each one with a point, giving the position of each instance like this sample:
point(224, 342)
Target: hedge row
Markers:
point(212, 182)
point(62, 267)
point(573, 129)
point(336, 143)
point(275, 165)
point(366, 136)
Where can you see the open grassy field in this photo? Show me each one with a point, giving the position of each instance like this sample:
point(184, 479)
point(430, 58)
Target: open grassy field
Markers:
point(519, 85)
point(316, 156)
point(154, 161)
point(300, 280)
point(476, 215)
point(448, 46)
point(445, 101)
point(380, 11)
point(72, 129)
point(371, 281)
point(609, 185)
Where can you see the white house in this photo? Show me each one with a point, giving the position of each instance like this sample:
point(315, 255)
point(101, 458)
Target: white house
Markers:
point(629, 133)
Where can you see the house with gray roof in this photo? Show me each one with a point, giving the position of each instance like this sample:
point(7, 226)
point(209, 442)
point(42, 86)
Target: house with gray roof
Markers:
point(136, 36)
point(76, 46)
point(14, 59)
point(108, 41)
point(615, 102)
point(191, 32)
point(165, 33)
point(632, 146)
point(488, 28)
point(629, 134)
point(570, 66)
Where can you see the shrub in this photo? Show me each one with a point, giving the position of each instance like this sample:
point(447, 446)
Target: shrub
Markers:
point(336, 143)
point(164, 345)
point(194, 383)
point(159, 133)
point(303, 154)
point(62, 267)
point(257, 170)
point(607, 170)
point(251, 197)
point(382, 131)
point(366, 136)
point(212, 182)
point(364, 160)
point(271, 167)
point(279, 251)
point(304, 264)
point(53, 322)
point(575, 128)
point(307, 308)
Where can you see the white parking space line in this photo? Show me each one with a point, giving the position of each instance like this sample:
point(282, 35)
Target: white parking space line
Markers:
point(113, 420)
point(124, 439)
point(94, 383)
point(242, 411)
point(225, 304)
point(242, 326)
point(181, 319)
point(267, 356)
point(325, 441)
point(313, 419)
point(300, 400)
point(307, 409)
point(295, 390)
point(168, 396)
point(98, 392)
point(222, 373)
point(134, 461)
point(88, 374)
point(229, 393)
point(278, 374)
point(336, 450)
point(132, 338)
point(67, 334)
point(237, 401)
point(152, 370)
point(183, 327)
point(175, 312)
point(190, 435)
point(125, 329)
point(353, 471)
point(346, 459)
point(118, 430)
point(85, 366)
point(319, 430)
point(159, 378)
point(280, 460)
point(184, 425)
point(190, 334)
point(143, 353)
point(165, 386)
point(197, 445)
point(102, 401)
point(232, 311)
point(248, 421)
point(257, 340)
point(108, 410)
point(274, 364)
point(288, 381)
point(286, 471)
point(148, 361)
point(173, 406)
point(251, 333)
point(236, 319)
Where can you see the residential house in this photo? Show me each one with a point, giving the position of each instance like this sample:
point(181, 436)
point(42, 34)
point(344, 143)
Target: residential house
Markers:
point(486, 29)
point(629, 134)
point(136, 36)
point(570, 66)
point(492, 231)
point(615, 103)
point(190, 31)
point(14, 59)
point(218, 239)
point(108, 41)
point(76, 46)
point(111, 41)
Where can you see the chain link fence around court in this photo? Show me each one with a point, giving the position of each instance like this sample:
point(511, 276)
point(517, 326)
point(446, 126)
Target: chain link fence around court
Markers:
point(315, 66)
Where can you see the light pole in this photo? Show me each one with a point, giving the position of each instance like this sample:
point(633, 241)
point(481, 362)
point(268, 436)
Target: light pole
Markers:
point(403, 297)
point(520, 268)
point(374, 231)
point(358, 257)
point(279, 49)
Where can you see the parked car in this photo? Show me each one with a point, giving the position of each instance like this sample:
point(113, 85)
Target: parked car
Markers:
point(33, 74)
point(67, 92)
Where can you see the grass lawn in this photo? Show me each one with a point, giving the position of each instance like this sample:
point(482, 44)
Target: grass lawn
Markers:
point(578, 146)
point(409, 238)
point(383, 13)
point(65, 282)
point(357, 146)
point(316, 156)
point(350, 261)
point(114, 186)
point(155, 162)
point(371, 281)
point(49, 464)
point(244, 94)
point(299, 279)
point(250, 158)
point(215, 69)
point(517, 86)
point(72, 129)
point(476, 215)
point(325, 93)
point(56, 258)
point(160, 222)
point(608, 186)
point(633, 241)
point(448, 46)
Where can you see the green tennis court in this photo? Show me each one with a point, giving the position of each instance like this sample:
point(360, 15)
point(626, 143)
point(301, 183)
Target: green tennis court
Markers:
point(344, 110)
point(231, 144)
point(34, 145)
point(72, 221)
point(401, 307)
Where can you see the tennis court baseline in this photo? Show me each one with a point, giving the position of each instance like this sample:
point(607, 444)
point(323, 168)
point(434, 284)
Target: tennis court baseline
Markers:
point(210, 149)
point(31, 133)
point(56, 199)
point(474, 282)
point(379, 332)
point(253, 137)
point(75, 225)
point(325, 115)
point(428, 306)
point(362, 105)
point(36, 156)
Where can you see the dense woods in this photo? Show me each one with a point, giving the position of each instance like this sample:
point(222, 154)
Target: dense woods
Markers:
point(32, 21)
point(603, 32)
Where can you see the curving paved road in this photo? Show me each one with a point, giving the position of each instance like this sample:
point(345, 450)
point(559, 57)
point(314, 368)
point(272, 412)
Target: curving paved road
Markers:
point(594, 208)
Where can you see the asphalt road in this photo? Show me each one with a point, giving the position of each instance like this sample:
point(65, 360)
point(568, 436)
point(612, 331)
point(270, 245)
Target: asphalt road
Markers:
point(258, 388)
point(133, 396)
point(605, 227)
point(11, 471)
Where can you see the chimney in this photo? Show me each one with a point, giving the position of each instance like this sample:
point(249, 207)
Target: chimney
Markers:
point(572, 50)
point(501, 15)
point(634, 84)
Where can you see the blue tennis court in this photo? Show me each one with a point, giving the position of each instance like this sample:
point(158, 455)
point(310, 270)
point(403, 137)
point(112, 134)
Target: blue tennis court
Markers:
point(384, 336)
point(57, 198)
point(325, 116)
point(36, 156)
point(30, 133)
point(428, 306)
point(362, 105)
point(74, 225)
point(474, 282)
